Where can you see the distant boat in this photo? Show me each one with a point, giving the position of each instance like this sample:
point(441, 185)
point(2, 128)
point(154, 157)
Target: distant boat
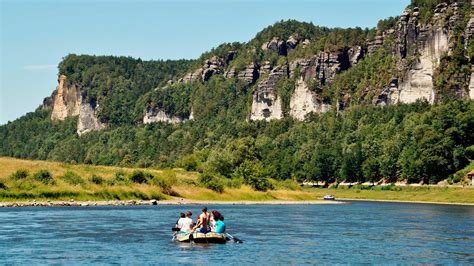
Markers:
point(329, 197)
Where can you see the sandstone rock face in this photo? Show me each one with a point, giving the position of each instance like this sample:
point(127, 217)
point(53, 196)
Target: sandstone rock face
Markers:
point(275, 45)
point(152, 116)
point(303, 101)
point(471, 84)
point(212, 66)
point(67, 100)
point(323, 67)
point(355, 54)
point(250, 74)
point(469, 32)
point(192, 76)
point(292, 42)
point(374, 45)
point(429, 42)
point(266, 104)
point(88, 120)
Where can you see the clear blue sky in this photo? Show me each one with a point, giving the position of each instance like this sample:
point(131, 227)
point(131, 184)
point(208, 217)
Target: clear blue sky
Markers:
point(36, 34)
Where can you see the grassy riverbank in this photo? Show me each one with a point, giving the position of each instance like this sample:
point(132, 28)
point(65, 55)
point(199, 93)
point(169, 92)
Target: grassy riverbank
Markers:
point(98, 183)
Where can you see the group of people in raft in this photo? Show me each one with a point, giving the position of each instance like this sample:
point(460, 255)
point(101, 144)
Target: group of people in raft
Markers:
point(205, 223)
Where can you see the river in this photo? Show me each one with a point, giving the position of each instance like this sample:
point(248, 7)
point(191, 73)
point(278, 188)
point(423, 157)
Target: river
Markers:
point(359, 232)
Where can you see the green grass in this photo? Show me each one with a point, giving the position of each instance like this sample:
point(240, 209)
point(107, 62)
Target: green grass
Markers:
point(25, 180)
point(425, 194)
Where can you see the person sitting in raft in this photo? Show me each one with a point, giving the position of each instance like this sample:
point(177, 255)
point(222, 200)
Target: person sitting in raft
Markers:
point(203, 222)
point(214, 215)
point(186, 224)
point(181, 216)
point(220, 225)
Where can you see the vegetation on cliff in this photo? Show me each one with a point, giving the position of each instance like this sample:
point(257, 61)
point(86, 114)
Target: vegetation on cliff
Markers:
point(414, 143)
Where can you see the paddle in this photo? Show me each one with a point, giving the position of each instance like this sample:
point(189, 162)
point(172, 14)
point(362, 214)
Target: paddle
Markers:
point(235, 239)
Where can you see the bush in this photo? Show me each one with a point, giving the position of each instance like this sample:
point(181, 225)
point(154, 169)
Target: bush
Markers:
point(72, 178)
point(188, 163)
point(19, 174)
point(232, 182)
point(211, 182)
point(139, 177)
point(43, 176)
point(2, 185)
point(289, 184)
point(166, 181)
point(98, 180)
point(119, 179)
point(254, 174)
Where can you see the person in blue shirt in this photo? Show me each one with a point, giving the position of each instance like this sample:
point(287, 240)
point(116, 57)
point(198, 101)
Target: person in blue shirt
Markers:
point(217, 222)
point(220, 225)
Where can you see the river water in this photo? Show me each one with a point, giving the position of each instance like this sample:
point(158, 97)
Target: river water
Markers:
point(360, 232)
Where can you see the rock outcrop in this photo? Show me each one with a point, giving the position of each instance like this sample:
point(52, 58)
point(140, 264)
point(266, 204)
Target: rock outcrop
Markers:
point(471, 84)
point(426, 44)
point(66, 101)
point(155, 116)
point(212, 66)
point(266, 104)
point(250, 74)
point(323, 67)
point(88, 120)
point(303, 101)
point(275, 45)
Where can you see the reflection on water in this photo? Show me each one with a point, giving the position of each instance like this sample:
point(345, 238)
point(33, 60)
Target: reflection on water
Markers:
point(350, 233)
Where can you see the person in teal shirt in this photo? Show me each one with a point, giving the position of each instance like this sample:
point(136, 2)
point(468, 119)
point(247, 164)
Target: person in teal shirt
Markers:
point(220, 225)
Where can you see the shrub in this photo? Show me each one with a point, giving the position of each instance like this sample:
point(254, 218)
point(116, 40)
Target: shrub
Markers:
point(98, 180)
point(254, 174)
point(19, 174)
point(119, 179)
point(2, 185)
point(232, 182)
point(211, 182)
point(139, 177)
point(72, 178)
point(188, 163)
point(166, 181)
point(43, 176)
point(289, 184)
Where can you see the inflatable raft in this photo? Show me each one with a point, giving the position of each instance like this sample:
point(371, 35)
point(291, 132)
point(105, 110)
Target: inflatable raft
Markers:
point(196, 237)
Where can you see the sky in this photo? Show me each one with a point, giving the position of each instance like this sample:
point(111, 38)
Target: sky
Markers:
point(36, 34)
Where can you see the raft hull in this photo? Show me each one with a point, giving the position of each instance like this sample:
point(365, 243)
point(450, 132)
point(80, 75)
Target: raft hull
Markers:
point(211, 237)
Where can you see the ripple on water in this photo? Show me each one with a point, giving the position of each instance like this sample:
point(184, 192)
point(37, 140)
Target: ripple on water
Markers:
point(284, 234)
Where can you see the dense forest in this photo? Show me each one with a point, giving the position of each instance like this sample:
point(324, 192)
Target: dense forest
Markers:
point(404, 142)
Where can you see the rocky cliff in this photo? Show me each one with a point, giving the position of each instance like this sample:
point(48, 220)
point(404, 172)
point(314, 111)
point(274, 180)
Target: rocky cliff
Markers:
point(426, 44)
point(419, 44)
point(266, 104)
point(67, 101)
point(155, 116)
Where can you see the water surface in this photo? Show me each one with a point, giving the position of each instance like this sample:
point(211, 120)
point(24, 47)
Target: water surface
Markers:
point(360, 232)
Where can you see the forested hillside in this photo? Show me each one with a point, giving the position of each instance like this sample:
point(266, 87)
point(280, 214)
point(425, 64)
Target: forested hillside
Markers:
point(298, 101)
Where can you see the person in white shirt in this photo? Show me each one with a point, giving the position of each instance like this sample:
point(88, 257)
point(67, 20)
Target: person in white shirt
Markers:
point(186, 224)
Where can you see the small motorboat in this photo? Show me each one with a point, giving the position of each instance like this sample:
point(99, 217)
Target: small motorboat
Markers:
point(329, 197)
point(196, 237)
